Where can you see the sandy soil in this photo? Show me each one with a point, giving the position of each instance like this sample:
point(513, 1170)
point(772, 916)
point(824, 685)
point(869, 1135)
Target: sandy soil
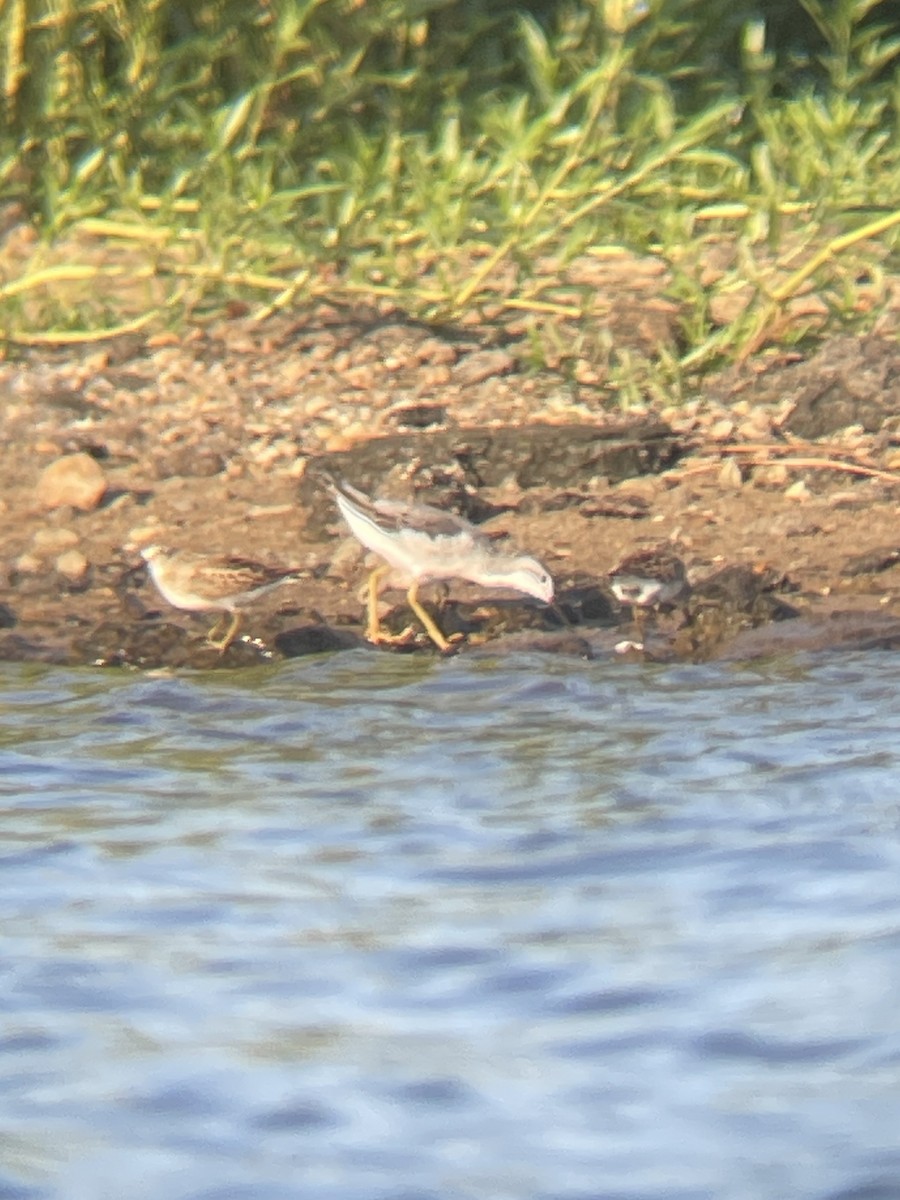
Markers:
point(787, 468)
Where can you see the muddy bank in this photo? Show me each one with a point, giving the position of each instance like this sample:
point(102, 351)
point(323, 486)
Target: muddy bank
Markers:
point(778, 486)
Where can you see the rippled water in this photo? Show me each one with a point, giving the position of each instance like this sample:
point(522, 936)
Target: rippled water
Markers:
point(379, 928)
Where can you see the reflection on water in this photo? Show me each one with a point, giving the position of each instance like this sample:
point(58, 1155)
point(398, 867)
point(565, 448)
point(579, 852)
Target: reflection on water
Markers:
point(375, 927)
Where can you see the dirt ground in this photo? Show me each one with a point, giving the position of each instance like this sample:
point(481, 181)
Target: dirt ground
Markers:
point(779, 486)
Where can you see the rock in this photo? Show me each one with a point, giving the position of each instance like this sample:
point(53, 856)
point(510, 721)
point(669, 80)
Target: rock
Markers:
point(481, 365)
point(813, 634)
point(797, 491)
point(771, 475)
point(435, 351)
point(316, 639)
point(584, 601)
point(417, 416)
point(872, 562)
point(28, 564)
point(566, 643)
point(16, 648)
point(195, 461)
point(75, 479)
point(641, 488)
point(850, 381)
point(53, 541)
point(535, 455)
point(721, 431)
point(627, 507)
point(72, 565)
point(730, 475)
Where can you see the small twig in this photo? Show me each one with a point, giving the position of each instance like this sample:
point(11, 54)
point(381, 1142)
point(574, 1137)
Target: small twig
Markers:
point(810, 463)
point(790, 448)
point(834, 464)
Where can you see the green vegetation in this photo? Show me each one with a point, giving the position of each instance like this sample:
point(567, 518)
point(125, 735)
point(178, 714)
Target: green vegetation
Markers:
point(451, 156)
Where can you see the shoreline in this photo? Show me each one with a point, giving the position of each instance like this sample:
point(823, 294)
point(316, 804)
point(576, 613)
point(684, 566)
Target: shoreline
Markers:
point(785, 473)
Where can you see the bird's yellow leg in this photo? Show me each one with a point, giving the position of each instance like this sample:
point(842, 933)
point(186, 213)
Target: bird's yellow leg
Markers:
point(374, 632)
point(211, 636)
point(641, 618)
point(223, 644)
point(412, 597)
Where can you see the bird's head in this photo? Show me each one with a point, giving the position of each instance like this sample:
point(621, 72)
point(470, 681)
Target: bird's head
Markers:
point(528, 576)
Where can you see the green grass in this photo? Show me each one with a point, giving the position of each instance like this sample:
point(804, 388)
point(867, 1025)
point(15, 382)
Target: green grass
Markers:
point(451, 158)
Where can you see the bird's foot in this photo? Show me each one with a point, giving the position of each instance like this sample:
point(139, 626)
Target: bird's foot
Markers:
point(381, 637)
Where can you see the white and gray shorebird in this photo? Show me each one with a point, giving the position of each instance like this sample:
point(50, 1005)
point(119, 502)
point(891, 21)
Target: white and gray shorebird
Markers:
point(421, 544)
point(648, 580)
point(205, 583)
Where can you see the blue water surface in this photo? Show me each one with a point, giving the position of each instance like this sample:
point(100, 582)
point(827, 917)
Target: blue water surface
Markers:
point(377, 927)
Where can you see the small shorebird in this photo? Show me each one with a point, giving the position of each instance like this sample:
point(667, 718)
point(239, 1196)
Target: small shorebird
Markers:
point(649, 579)
point(201, 583)
point(426, 545)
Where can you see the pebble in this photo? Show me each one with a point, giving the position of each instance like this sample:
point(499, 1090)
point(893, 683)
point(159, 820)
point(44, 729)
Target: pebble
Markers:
point(98, 361)
point(190, 460)
point(360, 378)
point(755, 429)
point(72, 565)
point(730, 474)
point(28, 564)
point(431, 378)
point(145, 535)
point(797, 491)
point(75, 479)
point(54, 541)
point(644, 487)
point(432, 350)
point(585, 373)
point(773, 475)
point(481, 365)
